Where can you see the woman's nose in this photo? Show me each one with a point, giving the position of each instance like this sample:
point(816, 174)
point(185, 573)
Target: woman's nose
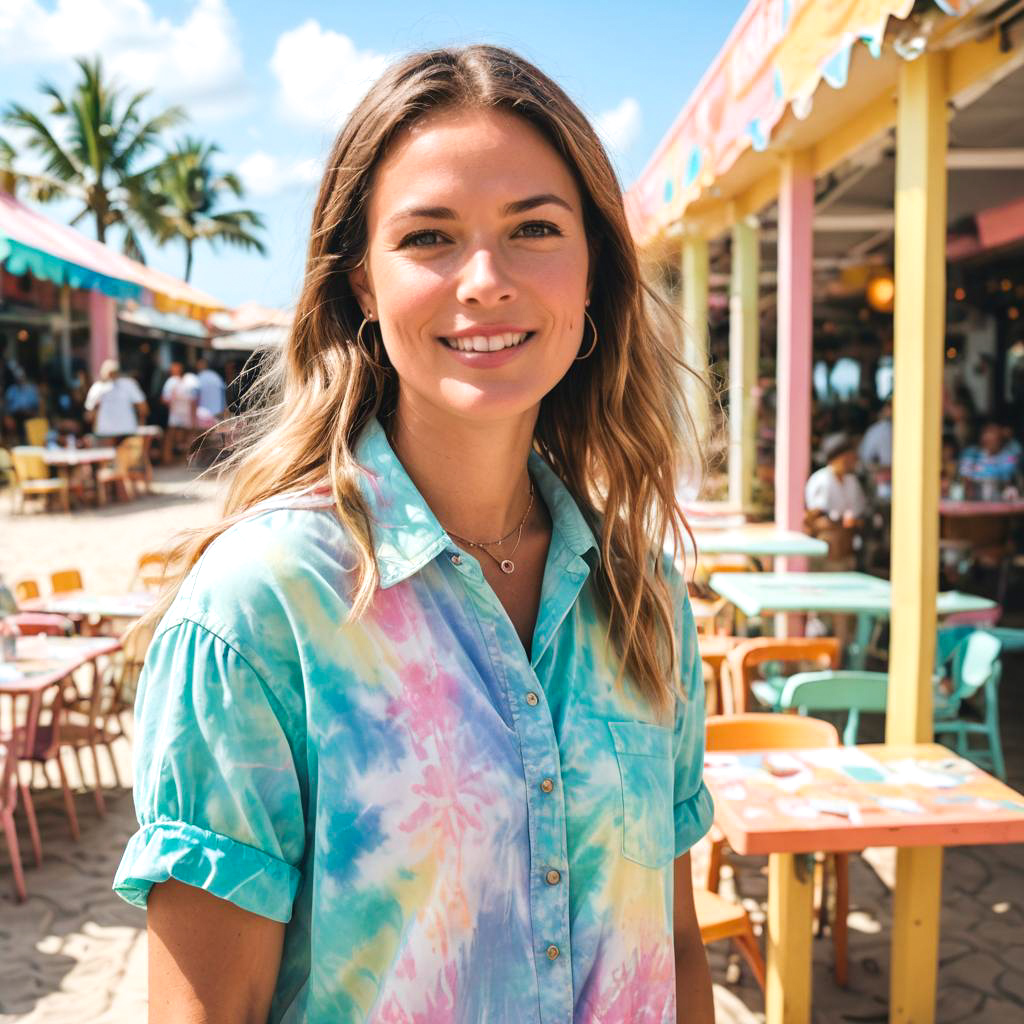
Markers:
point(483, 281)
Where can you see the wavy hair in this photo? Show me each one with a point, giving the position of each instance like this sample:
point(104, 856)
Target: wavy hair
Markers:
point(616, 429)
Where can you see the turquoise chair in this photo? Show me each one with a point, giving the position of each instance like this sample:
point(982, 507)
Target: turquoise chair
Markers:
point(813, 692)
point(974, 667)
point(969, 658)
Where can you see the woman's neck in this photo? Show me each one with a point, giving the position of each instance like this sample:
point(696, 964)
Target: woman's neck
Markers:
point(472, 475)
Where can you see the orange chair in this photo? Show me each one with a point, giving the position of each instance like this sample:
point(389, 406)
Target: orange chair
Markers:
point(66, 581)
point(26, 590)
point(714, 648)
point(720, 919)
point(745, 657)
point(760, 731)
point(150, 571)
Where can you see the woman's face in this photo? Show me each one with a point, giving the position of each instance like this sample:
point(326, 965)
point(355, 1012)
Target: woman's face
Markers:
point(476, 266)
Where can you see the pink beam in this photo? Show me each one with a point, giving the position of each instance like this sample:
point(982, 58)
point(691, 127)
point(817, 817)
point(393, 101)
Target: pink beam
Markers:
point(793, 358)
point(102, 330)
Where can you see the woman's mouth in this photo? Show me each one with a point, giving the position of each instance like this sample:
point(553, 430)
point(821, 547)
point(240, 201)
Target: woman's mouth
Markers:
point(488, 343)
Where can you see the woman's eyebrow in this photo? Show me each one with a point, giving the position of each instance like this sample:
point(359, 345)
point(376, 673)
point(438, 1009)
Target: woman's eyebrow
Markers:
point(510, 209)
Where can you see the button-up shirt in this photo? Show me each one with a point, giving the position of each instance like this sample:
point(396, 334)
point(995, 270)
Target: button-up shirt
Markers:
point(453, 830)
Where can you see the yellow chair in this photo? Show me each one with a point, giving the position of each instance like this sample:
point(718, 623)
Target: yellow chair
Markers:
point(36, 430)
point(26, 590)
point(32, 477)
point(718, 919)
point(764, 731)
point(66, 581)
point(126, 464)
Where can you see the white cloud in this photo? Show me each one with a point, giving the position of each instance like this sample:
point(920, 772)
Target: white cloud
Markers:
point(322, 75)
point(264, 174)
point(197, 61)
point(619, 127)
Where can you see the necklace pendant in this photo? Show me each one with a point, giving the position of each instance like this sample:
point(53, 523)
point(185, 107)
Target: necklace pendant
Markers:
point(507, 566)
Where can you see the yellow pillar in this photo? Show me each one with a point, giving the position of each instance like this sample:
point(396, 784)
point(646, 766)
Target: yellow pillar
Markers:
point(744, 345)
point(788, 942)
point(696, 275)
point(921, 139)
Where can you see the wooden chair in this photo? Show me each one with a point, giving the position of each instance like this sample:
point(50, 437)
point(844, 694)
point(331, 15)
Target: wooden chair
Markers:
point(714, 648)
point(66, 581)
point(792, 732)
point(26, 590)
point(33, 479)
point(721, 919)
point(119, 476)
point(36, 430)
point(138, 466)
point(150, 571)
point(743, 659)
point(10, 784)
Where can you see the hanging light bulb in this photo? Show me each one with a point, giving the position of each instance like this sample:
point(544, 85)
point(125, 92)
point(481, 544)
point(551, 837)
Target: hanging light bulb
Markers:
point(881, 292)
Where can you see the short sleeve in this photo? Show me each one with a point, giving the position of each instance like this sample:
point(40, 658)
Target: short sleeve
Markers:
point(694, 809)
point(218, 792)
point(93, 397)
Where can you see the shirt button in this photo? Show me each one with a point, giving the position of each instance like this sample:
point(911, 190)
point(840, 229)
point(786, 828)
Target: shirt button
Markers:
point(456, 559)
point(532, 699)
point(552, 952)
point(547, 785)
point(553, 877)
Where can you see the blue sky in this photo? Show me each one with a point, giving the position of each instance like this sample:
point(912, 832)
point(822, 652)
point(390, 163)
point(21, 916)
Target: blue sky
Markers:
point(271, 82)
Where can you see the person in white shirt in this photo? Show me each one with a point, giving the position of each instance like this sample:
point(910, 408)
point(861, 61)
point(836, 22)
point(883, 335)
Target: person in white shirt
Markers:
point(181, 396)
point(876, 445)
point(834, 490)
point(211, 389)
point(115, 403)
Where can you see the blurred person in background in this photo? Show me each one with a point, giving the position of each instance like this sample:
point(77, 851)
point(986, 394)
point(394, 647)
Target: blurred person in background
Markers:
point(180, 394)
point(21, 402)
point(115, 404)
point(992, 464)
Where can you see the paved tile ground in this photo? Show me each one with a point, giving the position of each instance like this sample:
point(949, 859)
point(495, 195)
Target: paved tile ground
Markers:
point(74, 953)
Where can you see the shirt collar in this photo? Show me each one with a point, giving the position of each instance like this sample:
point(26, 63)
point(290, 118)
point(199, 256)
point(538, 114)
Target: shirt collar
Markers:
point(407, 535)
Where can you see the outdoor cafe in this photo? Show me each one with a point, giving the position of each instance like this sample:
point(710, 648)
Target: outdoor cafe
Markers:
point(839, 209)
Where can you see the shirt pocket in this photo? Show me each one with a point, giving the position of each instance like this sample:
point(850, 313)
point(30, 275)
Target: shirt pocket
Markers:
point(644, 753)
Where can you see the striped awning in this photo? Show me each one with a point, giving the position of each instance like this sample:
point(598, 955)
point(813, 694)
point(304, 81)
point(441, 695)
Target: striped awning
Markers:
point(30, 243)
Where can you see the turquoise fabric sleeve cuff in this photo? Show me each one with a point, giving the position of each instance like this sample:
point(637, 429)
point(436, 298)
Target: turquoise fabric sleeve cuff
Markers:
point(243, 875)
point(693, 819)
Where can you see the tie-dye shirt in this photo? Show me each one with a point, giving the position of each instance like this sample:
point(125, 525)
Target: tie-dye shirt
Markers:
point(453, 832)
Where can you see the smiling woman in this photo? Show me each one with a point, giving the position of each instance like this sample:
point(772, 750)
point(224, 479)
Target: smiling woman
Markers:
point(420, 733)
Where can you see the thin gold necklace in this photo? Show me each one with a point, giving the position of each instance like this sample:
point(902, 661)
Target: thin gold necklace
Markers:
point(506, 565)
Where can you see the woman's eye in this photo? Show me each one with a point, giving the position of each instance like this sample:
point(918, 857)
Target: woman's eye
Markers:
point(539, 229)
point(420, 239)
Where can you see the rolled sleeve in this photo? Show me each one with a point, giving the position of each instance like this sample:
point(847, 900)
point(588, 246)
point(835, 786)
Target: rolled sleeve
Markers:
point(218, 791)
point(694, 809)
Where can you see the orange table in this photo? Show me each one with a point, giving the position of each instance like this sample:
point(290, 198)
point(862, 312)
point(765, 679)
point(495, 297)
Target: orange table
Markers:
point(788, 804)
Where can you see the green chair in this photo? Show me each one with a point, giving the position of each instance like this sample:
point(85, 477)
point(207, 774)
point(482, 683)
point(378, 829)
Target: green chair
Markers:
point(845, 690)
point(969, 658)
point(975, 667)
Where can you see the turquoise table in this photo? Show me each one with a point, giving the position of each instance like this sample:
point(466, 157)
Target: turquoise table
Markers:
point(757, 542)
point(854, 593)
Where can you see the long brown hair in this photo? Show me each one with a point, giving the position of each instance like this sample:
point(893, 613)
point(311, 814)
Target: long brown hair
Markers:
point(616, 429)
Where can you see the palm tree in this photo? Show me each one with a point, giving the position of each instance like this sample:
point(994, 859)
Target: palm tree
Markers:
point(92, 149)
point(186, 189)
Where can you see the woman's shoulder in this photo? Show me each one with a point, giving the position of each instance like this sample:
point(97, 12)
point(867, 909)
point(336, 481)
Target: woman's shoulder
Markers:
point(263, 569)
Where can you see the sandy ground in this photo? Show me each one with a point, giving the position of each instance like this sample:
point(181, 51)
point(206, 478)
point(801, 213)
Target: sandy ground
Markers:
point(75, 953)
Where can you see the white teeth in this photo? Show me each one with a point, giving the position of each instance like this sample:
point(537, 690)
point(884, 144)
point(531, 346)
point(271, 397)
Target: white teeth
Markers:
point(480, 343)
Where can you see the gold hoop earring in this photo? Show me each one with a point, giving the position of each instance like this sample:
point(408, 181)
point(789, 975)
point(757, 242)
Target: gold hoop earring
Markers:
point(593, 344)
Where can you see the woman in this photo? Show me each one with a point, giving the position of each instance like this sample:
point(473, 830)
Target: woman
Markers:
point(421, 736)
